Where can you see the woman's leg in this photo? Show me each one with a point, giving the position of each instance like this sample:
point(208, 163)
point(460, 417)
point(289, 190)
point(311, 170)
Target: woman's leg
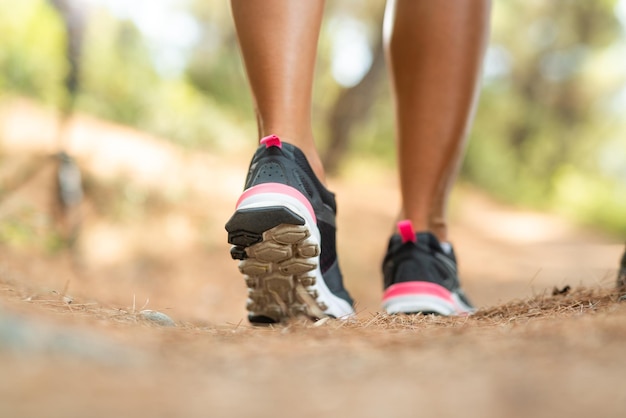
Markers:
point(278, 41)
point(435, 50)
point(283, 228)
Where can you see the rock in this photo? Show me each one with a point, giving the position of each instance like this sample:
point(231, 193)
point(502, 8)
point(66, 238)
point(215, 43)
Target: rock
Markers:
point(156, 317)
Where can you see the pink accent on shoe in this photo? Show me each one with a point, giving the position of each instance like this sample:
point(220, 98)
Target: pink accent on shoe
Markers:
point(271, 141)
point(277, 188)
point(406, 231)
point(418, 288)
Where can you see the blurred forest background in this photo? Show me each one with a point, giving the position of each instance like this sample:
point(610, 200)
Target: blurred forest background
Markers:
point(549, 131)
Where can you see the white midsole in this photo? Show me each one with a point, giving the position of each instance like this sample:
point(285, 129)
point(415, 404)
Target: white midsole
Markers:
point(426, 303)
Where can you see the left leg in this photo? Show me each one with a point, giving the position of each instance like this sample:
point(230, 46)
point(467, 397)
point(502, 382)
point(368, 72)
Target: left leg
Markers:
point(283, 229)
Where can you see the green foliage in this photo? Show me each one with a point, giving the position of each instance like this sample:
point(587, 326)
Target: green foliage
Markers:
point(30, 228)
point(215, 67)
point(15, 232)
point(118, 78)
point(541, 126)
point(591, 199)
point(120, 83)
point(220, 75)
point(31, 61)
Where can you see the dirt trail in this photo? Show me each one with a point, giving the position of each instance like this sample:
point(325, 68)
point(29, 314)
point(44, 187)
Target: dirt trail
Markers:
point(153, 238)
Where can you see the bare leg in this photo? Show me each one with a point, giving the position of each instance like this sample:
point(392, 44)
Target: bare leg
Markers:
point(278, 40)
point(435, 50)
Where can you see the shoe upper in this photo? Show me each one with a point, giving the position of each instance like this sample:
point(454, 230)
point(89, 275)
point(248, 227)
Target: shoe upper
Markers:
point(288, 165)
point(422, 260)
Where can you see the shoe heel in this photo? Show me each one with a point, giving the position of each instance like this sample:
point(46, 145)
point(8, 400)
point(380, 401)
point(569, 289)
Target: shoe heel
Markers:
point(246, 226)
point(263, 207)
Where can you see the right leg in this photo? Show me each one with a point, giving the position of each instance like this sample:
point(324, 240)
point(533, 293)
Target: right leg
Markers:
point(283, 228)
point(278, 41)
point(435, 52)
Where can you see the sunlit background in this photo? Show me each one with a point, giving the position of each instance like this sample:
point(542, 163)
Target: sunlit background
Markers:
point(549, 132)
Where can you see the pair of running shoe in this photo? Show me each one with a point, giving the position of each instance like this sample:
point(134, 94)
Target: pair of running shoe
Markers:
point(283, 233)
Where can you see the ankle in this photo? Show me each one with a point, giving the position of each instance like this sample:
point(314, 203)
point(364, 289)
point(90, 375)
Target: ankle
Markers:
point(312, 156)
point(316, 164)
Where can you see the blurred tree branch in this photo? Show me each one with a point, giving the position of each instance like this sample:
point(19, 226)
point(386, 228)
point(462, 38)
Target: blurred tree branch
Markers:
point(353, 105)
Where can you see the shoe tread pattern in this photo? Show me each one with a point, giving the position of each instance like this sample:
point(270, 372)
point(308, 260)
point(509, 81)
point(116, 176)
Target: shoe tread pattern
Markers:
point(277, 270)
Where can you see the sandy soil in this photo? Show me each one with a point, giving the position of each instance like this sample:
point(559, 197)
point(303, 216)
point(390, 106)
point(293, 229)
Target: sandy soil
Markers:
point(74, 343)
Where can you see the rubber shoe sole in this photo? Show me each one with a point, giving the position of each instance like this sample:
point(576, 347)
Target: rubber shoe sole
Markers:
point(423, 297)
point(278, 248)
point(277, 264)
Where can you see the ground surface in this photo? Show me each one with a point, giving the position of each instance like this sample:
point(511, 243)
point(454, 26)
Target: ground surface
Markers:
point(74, 343)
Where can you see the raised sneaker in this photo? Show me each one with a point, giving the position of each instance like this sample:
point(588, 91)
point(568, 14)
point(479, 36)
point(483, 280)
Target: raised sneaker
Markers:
point(420, 276)
point(283, 233)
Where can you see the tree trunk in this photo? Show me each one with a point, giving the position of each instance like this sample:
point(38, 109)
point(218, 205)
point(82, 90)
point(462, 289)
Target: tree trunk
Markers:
point(352, 106)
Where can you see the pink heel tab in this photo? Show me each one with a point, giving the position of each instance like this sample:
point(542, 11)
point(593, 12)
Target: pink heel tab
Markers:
point(405, 228)
point(271, 141)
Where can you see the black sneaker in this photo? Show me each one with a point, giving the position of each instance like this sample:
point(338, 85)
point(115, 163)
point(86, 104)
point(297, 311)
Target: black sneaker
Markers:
point(283, 231)
point(419, 276)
